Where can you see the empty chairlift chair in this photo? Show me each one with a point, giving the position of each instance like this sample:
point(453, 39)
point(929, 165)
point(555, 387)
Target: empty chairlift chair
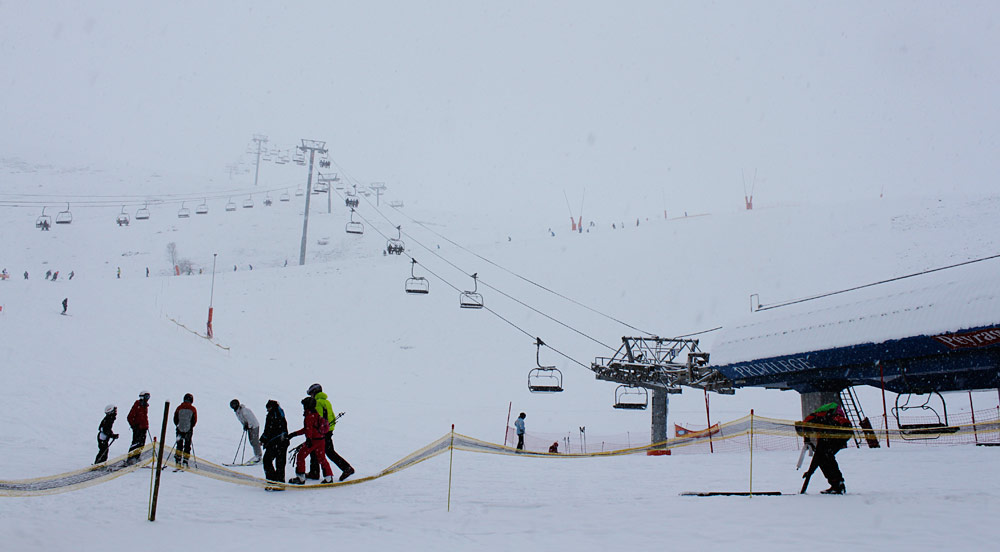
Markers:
point(201, 209)
point(248, 203)
point(299, 192)
point(629, 397)
point(354, 227)
point(543, 379)
point(142, 213)
point(122, 219)
point(395, 246)
point(284, 196)
point(923, 421)
point(64, 217)
point(471, 299)
point(230, 206)
point(416, 284)
point(43, 220)
point(183, 212)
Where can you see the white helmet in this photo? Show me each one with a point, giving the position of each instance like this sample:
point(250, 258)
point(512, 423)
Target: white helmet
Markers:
point(110, 408)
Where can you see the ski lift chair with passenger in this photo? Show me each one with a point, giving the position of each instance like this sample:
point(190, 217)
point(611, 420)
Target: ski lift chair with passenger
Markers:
point(201, 209)
point(354, 227)
point(183, 212)
point(416, 284)
point(43, 220)
point(630, 397)
point(543, 379)
point(471, 299)
point(395, 246)
point(142, 213)
point(923, 422)
point(267, 200)
point(64, 217)
point(122, 219)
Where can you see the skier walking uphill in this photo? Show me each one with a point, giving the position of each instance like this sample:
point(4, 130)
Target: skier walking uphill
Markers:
point(827, 442)
point(106, 433)
point(250, 425)
point(315, 428)
point(185, 418)
point(138, 420)
point(275, 441)
point(325, 410)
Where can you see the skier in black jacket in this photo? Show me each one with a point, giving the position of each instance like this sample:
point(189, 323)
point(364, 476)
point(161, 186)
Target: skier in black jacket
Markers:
point(105, 433)
point(275, 441)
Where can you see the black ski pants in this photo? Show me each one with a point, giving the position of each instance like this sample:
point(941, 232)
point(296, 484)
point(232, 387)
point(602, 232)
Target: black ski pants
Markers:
point(827, 461)
point(138, 441)
point(331, 453)
point(274, 462)
point(183, 446)
point(102, 451)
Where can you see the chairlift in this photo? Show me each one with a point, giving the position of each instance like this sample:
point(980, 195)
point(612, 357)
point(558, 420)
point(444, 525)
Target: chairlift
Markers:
point(230, 206)
point(299, 192)
point(395, 204)
point(416, 284)
point(355, 227)
point(43, 220)
point(631, 397)
point(142, 213)
point(351, 202)
point(284, 196)
point(924, 422)
point(267, 200)
point(543, 379)
point(122, 219)
point(471, 299)
point(202, 209)
point(183, 212)
point(395, 246)
point(64, 217)
point(321, 188)
point(248, 203)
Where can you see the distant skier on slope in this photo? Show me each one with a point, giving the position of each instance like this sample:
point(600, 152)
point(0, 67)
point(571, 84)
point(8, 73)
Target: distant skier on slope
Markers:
point(185, 418)
point(250, 425)
point(826, 442)
point(106, 433)
point(138, 421)
point(275, 441)
point(315, 428)
point(325, 409)
point(65, 304)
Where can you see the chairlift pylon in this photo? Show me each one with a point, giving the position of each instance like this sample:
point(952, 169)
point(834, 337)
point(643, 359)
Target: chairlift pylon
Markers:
point(416, 284)
point(471, 299)
point(631, 397)
point(543, 379)
point(142, 213)
point(354, 227)
point(64, 217)
point(929, 424)
point(395, 246)
point(183, 212)
point(122, 219)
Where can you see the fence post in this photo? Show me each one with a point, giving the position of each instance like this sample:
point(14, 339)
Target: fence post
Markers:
point(159, 463)
point(751, 452)
point(451, 459)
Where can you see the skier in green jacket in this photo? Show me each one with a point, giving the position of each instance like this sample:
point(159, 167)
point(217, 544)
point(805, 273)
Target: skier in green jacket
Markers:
point(325, 410)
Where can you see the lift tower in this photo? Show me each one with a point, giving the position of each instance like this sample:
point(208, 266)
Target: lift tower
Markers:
point(312, 146)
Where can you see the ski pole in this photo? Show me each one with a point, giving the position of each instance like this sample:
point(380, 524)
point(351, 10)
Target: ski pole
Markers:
point(241, 445)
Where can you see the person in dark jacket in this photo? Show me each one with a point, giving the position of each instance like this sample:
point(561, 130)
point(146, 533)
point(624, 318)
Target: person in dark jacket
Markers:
point(519, 427)
point(827, 441)
point(325, 410)
point(106, 433)
point(275, 442)
point(315, 428)
point(138, 420)
point(185, 418)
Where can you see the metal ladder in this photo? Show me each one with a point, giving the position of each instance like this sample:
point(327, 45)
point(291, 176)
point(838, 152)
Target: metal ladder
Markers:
point(852, 407)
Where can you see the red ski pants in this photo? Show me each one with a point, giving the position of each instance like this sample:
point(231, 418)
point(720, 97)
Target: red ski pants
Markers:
point(317, 447)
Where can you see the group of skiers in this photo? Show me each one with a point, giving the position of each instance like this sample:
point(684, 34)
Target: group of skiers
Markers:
point(319, 420)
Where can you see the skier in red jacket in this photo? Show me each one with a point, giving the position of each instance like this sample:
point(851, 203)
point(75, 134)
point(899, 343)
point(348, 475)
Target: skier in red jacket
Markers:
point(829, 434)
point(138, 420)
point(315, 428)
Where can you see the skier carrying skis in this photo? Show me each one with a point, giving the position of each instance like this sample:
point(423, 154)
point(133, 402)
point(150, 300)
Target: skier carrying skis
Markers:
point(106, 433)
point(826, 442)
point(138, 420)
point(250, 425)
point(185, 418)
point(519, 425)
point(325, 410)
point(275, 441)
point(315, 428)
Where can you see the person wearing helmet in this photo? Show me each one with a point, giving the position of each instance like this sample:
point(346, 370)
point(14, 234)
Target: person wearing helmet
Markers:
point(325, 410)
point(250, 425)
point(275, 441)
point(315, 428)
point(138, 421)
point(185, 418)
point(827, 431)
point(106, 433)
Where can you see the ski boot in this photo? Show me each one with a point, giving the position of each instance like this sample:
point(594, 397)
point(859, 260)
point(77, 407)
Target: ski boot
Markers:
point(347, 473)
point(328, 479)
point(837, 488)
point(299, 479)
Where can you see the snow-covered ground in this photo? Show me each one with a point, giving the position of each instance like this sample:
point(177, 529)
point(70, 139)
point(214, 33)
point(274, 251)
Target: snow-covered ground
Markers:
point(405, 368)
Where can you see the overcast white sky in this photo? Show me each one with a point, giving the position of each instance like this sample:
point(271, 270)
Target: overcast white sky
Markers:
point(633, 101)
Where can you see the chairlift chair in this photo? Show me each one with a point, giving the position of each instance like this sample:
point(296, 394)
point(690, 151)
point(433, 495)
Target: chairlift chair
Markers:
point(354, 227)
point(248, 203)
point(183, 212)
point(299, 192)
point(416, 284)
point(471, 299)
point(202, 209)
point(64, 217)
point(321, 188)
point(142, 213)
point(284, 196)
point(630, 397)
point(395, 246)
point(928, 424)
point(230, 206)
point(43, 220)
point(543, 379)
point(122, 219)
